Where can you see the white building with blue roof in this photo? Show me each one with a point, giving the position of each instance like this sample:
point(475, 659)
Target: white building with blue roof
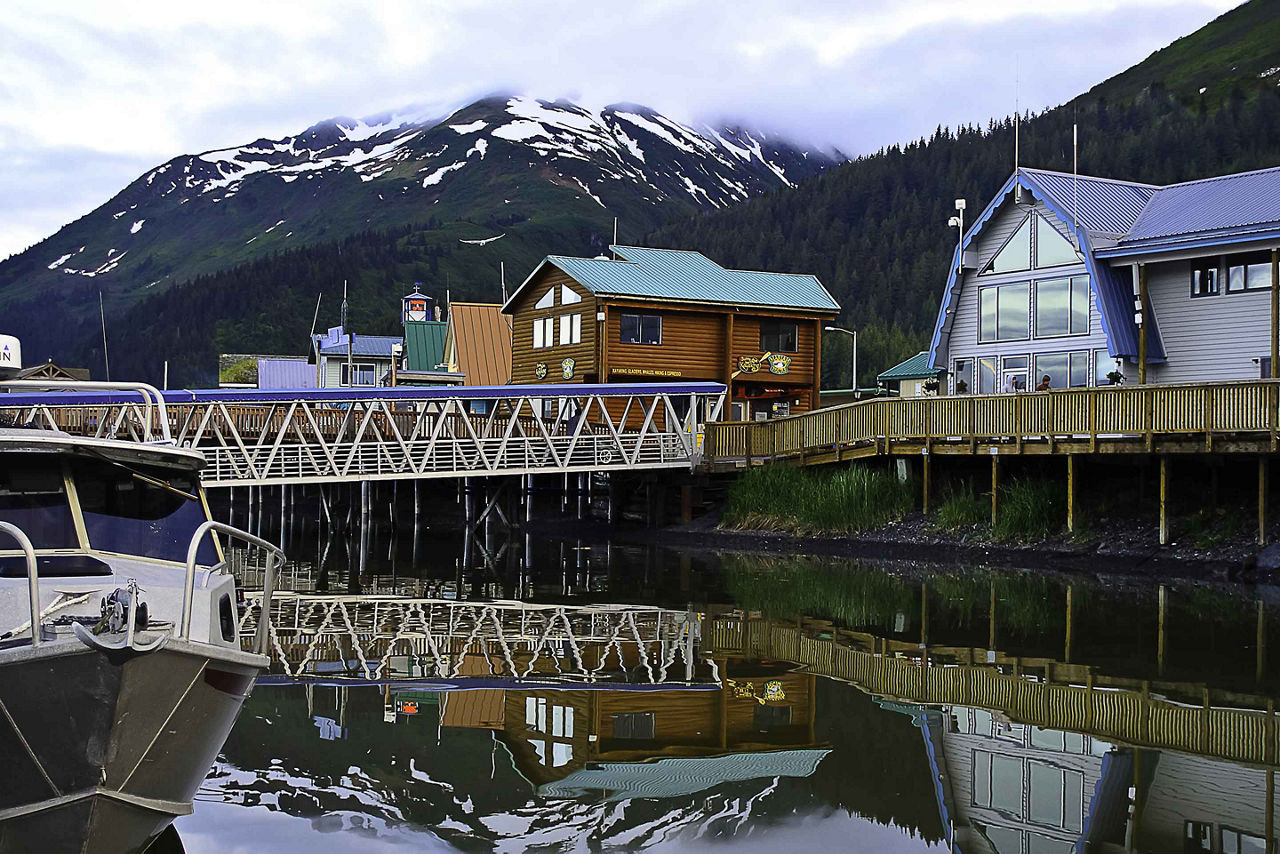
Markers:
point(1090, 280)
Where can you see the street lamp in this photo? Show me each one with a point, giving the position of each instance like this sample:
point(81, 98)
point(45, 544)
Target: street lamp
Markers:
point(957, 222)
point(853, 355)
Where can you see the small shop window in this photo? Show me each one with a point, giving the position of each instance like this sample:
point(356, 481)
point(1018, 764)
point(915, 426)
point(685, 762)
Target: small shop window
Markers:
point(641, 329)
point(779, 336)
point(1204, 280)
point(1248, 272)
point(544, 330)
point(570, 329)
point(363, 373)
point(633, 726)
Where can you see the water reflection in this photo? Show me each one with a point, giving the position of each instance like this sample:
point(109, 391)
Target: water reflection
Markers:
point(581, 694)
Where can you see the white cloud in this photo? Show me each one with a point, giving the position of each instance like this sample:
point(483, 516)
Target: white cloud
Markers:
point(141, 82)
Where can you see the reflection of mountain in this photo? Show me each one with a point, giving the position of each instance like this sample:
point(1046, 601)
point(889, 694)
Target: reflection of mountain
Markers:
point(495, 784)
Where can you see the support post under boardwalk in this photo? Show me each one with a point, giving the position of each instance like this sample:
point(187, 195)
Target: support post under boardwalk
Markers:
point(1164, 500)
point(1066, 656)
point(1260, 665)
point(995, 486)
point(925, 478)
point(1263, 465)
point(1071, 498)
point(1160, 631)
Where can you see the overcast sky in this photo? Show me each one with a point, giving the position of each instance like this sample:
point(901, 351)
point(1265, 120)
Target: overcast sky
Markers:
point(92, 94)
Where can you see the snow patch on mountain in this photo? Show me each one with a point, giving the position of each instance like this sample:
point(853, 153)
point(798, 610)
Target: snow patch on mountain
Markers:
point(136, 227)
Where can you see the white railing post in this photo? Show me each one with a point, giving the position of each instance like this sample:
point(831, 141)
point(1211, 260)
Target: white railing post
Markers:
point(275, 562)
point(149, 393)
point(33, 576)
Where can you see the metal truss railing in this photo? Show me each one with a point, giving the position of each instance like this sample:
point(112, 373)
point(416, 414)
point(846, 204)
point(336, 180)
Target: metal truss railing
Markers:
point(314, 440)
point(517, 640)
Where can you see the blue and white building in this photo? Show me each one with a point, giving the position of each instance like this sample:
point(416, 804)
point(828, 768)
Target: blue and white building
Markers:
point(1046, 283)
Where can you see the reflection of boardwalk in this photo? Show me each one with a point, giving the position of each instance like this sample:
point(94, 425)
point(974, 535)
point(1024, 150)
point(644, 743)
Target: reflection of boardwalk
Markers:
point(1047, 694)
point(379, 636)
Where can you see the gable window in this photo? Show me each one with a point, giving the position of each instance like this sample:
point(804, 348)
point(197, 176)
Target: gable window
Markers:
point(1062, 307)
point(1015, 255)
point(779, 336)
point(640, 329)
point(1204, 279)
point(1052, 249)
point(1004, 312)
point(570, 329)
point(569, 297)
point(548, 299)
point(544, 330)
point(363, 374)
point(633, 726)
point(1248, 272)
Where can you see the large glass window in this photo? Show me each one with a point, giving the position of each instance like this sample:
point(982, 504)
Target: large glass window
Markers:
point(997, 782)
point(1064, 370)
point(1052, 249)
point(133, 510)
point(1004, 312)
point(1057, 796)
point(1248, 272)
point(779, 336)
point(641, 329)
point(1204, 280)
point(32, 496)
point(1016, 254)
point(1062, 307)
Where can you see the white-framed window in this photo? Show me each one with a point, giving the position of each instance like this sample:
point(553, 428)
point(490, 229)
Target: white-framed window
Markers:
point(1020, 252)
point(1204, 279)
point(570, 329)
point(640, 329)
point(547, 300)
point(1064, 370)
point(1057, 796)
point(568, 296)
point(997, 782)
point(1062, 307)
point(1004, 312)
point(544, 331)
point(364, 374)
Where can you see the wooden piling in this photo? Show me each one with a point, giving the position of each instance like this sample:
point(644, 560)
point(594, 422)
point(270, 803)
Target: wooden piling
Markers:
point(1071, 496)
point(1263, 465)
point(1164, 499)
point(995, 486)
point(1160, 631)
point(925, 467)
point(1260, 652)
point(1066, 652)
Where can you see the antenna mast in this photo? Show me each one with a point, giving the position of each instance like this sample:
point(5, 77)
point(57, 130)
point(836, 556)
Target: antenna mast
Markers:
point(1017, 119)
point(106, 360)
point(1075, 180)
point(502, 274)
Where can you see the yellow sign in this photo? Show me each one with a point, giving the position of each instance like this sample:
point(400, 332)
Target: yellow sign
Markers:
point(777, 363)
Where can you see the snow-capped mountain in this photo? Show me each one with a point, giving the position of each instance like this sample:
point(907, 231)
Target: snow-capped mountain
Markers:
point(549, 175)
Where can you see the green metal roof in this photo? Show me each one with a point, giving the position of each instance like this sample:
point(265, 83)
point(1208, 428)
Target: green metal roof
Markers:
point(688, 276)
point(424, 344)
point(915, 368)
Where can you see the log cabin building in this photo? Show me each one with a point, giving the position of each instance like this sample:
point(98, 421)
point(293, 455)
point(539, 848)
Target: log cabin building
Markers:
point(655, 315)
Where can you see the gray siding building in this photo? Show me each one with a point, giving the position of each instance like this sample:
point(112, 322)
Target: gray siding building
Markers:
point(1047, 283)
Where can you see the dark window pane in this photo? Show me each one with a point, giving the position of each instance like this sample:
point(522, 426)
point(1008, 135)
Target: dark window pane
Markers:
point(777, 336)
point(771, 717)
point(127, 515)
point(1204, 280)
point(32, 497)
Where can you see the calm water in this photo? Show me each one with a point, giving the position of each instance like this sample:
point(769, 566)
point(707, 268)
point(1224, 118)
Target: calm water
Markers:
point(693, 701)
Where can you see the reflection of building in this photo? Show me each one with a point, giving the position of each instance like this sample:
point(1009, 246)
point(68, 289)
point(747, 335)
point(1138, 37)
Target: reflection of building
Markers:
point(1204, 806)
point(568, 742)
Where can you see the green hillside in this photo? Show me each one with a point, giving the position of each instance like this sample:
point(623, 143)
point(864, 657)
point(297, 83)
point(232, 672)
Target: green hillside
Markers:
point(875, 229)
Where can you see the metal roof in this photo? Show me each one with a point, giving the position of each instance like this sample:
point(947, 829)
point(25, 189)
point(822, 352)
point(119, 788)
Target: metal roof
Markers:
point(424, 344)
point(341, 395)
point(481, 338)
point(1212, 207)
point(675, 274)
point(286, 373)
point(364, 345)
point(915, 368)
point(1101, 205)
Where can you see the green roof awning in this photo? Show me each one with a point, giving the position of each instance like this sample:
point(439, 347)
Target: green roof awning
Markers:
point(915, 368)
point(424, 344)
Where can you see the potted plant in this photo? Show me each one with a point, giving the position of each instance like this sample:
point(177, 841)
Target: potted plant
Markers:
point(1115, 378)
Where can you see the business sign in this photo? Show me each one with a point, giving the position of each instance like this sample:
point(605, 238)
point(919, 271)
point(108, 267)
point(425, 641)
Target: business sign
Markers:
point(776, 363)
point(645, 372)
point(540, 370)
point(10, 353)
point(566, 369)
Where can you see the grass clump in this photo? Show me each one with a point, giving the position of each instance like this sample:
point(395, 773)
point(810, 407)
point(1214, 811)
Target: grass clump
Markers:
point(962, 509)
point(1211, 527)
point(1030, 509)
point(849, 593)
point(780, 497)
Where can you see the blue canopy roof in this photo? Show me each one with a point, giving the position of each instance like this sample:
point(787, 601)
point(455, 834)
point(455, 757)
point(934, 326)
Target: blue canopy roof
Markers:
point(340, 395)
point(673, 274)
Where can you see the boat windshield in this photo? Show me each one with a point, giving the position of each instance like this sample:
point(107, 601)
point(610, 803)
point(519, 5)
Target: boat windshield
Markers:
point(140, 510)
point(33, 496)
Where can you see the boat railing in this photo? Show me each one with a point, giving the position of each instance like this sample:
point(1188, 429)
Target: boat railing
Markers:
point(276, 561)
point(33, 578)
point(150, 394)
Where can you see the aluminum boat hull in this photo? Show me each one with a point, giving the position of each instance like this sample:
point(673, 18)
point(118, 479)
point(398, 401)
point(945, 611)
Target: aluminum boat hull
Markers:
point(103, 750)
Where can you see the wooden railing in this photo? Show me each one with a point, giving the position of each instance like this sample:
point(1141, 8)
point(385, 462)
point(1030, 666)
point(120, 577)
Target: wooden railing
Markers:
point(1199, 410)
